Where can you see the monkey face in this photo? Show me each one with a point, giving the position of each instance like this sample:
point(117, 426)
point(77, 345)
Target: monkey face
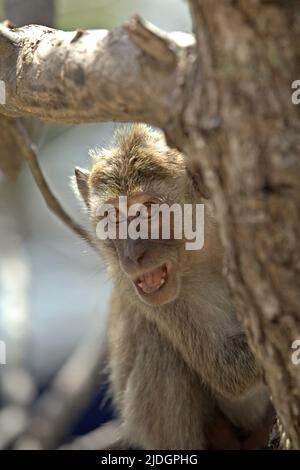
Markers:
point(149, 264)
point(141, 167)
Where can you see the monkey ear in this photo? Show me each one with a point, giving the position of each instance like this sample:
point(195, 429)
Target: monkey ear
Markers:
point(81, 176)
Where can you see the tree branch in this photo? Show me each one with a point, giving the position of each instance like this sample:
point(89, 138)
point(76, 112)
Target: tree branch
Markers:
point(152, 41)
point(28, 152)
point(131, 73)
point(11, 152)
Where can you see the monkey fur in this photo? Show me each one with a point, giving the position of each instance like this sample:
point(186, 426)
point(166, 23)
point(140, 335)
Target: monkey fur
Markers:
point(181, 372)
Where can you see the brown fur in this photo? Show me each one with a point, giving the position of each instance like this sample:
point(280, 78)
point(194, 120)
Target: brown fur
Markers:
point(174, 368)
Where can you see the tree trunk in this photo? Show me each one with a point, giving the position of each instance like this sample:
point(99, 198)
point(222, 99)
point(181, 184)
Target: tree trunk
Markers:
point(242, 130)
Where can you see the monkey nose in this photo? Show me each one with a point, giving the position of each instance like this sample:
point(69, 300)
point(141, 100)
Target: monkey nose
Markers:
point(135, 255)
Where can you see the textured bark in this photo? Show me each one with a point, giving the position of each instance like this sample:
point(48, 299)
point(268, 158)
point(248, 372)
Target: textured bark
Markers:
point(20, 12)
point(247, 144)
point(226, 102)
point(129, 73)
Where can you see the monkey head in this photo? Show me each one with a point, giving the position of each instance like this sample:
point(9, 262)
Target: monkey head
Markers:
point(142, 168)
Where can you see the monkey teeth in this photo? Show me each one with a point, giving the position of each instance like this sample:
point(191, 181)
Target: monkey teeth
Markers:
point(152, 281)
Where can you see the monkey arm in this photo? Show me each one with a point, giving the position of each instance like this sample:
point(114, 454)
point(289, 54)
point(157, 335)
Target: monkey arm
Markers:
point(225, 362)
point(234, 369)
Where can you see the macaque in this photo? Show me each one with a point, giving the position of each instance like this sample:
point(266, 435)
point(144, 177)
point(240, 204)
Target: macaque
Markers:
point(181, 372)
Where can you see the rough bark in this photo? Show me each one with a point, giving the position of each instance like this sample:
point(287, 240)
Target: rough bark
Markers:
point(128, 73)
point(243, 131)
point(20, 12)
point(226, 102)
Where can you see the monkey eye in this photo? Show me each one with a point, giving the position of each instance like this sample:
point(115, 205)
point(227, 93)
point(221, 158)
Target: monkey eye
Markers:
point(146, 211)
point(115, 216)
point(152, 209)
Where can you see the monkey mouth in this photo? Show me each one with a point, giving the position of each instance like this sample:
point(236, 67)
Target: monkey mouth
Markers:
point(152, 281)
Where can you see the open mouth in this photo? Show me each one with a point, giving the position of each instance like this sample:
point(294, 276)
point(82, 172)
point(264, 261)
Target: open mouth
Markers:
point(152, 281)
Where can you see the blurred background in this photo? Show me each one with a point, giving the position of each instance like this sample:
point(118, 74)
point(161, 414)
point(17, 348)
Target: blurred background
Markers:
point(53, 290)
